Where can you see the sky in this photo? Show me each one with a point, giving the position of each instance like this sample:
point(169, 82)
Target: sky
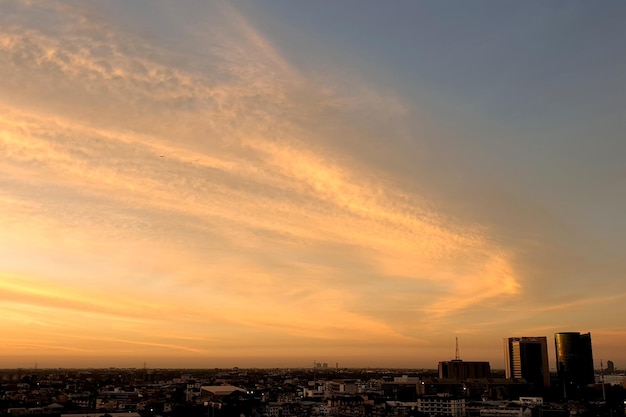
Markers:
point(273, 183)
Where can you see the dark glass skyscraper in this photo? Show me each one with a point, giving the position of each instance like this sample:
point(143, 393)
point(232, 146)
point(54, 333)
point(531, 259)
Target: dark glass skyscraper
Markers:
point(574, 362)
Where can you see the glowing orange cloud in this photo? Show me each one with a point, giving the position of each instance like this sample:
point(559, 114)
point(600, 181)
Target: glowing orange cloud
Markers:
point(151, 208)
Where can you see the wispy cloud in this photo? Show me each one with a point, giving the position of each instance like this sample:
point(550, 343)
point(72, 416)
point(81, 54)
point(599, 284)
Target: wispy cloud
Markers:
point(150, 193)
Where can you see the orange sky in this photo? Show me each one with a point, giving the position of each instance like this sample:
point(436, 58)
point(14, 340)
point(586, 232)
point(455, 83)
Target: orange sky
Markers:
point(204, 201)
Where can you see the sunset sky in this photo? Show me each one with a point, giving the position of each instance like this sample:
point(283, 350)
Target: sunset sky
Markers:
point(269, 183)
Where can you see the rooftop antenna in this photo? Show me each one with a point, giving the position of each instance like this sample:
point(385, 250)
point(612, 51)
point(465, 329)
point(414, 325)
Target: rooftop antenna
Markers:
point(457, 356)
point(602, 374)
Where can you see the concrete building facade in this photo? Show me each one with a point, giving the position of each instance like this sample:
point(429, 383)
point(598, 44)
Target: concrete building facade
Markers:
point(527, 358)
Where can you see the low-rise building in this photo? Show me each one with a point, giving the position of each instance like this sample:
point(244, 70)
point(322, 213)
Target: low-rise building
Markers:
point(441, 405)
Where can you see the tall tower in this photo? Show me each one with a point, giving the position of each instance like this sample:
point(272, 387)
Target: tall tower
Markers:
point(527, 358)
point(574, 362)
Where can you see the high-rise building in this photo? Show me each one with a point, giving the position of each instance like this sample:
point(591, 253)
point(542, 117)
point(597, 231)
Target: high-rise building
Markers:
point(574, 361)
point(462, 370)
point(527, 358)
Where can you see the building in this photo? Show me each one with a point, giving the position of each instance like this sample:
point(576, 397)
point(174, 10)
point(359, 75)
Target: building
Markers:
point(347, 405)
point(531, 401)
point(217, 392)
point(574, 362)
point(435, 386)
point(441, 405)
point(400, 390)
point(461, 370)
point(507, 411)
point(527, 358)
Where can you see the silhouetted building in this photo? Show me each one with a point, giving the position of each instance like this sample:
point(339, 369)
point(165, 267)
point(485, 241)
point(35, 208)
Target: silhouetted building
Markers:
point(435, 386)
point(348, 405)
point(574, 362)
point(610, 367)
point(495, 389)
point(527, 358)
point(461, 370)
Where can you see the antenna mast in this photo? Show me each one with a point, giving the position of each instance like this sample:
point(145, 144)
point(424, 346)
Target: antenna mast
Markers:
point(457, 356)
point(602, 373)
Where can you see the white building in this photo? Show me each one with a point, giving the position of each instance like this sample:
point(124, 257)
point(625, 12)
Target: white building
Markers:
point(505, 412)
point(531, 400)
point(437, 405)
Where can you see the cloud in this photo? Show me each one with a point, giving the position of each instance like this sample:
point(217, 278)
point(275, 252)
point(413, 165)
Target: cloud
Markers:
point(187, 197)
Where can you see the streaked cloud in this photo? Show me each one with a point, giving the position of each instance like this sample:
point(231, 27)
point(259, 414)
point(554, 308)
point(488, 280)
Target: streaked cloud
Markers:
point(164, 204)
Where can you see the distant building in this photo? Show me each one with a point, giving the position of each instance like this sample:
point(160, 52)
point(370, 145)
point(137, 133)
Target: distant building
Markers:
point(336, 387)
point(217, 392)
point(610, 367)
point(574, 362)
point(461, 370)
point(527, 358)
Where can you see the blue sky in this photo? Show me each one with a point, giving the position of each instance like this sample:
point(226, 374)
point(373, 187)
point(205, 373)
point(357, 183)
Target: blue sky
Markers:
point(267, 183)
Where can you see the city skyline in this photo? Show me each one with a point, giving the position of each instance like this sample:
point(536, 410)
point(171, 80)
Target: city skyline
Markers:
point(261, 184)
